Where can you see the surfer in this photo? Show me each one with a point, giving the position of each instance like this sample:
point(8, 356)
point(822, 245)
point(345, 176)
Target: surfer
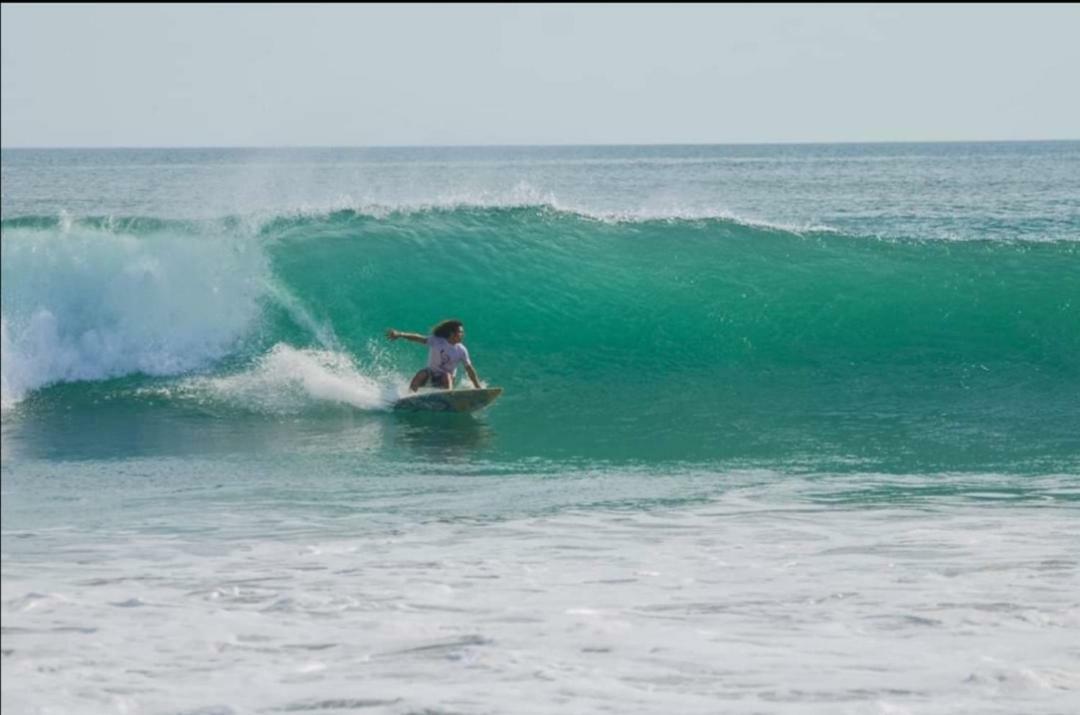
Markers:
point(445, 351)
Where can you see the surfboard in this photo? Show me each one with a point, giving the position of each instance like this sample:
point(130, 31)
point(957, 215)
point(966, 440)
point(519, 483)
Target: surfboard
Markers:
point(466, 400)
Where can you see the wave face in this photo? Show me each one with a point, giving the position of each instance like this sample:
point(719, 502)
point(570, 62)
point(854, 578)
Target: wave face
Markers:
point(670, 338)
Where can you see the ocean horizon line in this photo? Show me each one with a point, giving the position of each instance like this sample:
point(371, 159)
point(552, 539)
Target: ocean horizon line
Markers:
point(263, 147)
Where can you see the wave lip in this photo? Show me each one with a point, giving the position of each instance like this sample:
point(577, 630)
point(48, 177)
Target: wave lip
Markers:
point(473, 204)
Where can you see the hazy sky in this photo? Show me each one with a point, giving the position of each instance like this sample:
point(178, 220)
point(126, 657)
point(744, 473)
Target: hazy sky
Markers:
point(367, 75)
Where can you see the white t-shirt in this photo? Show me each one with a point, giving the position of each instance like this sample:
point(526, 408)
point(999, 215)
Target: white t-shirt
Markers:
point(443, 357)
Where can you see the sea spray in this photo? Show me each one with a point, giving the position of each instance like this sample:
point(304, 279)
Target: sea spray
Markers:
point(89, 301)
point(290, 381)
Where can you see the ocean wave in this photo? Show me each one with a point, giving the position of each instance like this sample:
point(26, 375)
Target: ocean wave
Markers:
point(574, 295)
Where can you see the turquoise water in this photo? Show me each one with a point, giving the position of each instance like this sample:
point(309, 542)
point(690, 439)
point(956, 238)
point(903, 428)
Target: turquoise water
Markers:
point(658, 341)
point(762, 403)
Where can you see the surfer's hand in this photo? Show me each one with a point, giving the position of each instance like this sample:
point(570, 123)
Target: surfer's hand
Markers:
point(392, 334)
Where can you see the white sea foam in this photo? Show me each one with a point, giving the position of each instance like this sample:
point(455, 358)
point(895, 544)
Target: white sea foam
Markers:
point(288, 380)
point(736, 605)
point(82, 303)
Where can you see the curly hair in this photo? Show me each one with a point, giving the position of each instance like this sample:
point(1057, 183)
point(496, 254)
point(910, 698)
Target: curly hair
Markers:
point(446, 328)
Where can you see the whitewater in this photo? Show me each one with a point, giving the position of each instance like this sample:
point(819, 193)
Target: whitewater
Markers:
point(788, 428)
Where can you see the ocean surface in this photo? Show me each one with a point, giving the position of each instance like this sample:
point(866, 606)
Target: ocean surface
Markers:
point(786, 429)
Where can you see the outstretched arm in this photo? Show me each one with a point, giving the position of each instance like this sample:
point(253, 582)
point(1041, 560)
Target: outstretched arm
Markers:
point(472, 375)
point(392, 334)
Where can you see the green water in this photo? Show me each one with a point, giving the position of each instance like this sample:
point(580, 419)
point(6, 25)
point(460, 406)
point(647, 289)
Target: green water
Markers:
point(664, 341)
